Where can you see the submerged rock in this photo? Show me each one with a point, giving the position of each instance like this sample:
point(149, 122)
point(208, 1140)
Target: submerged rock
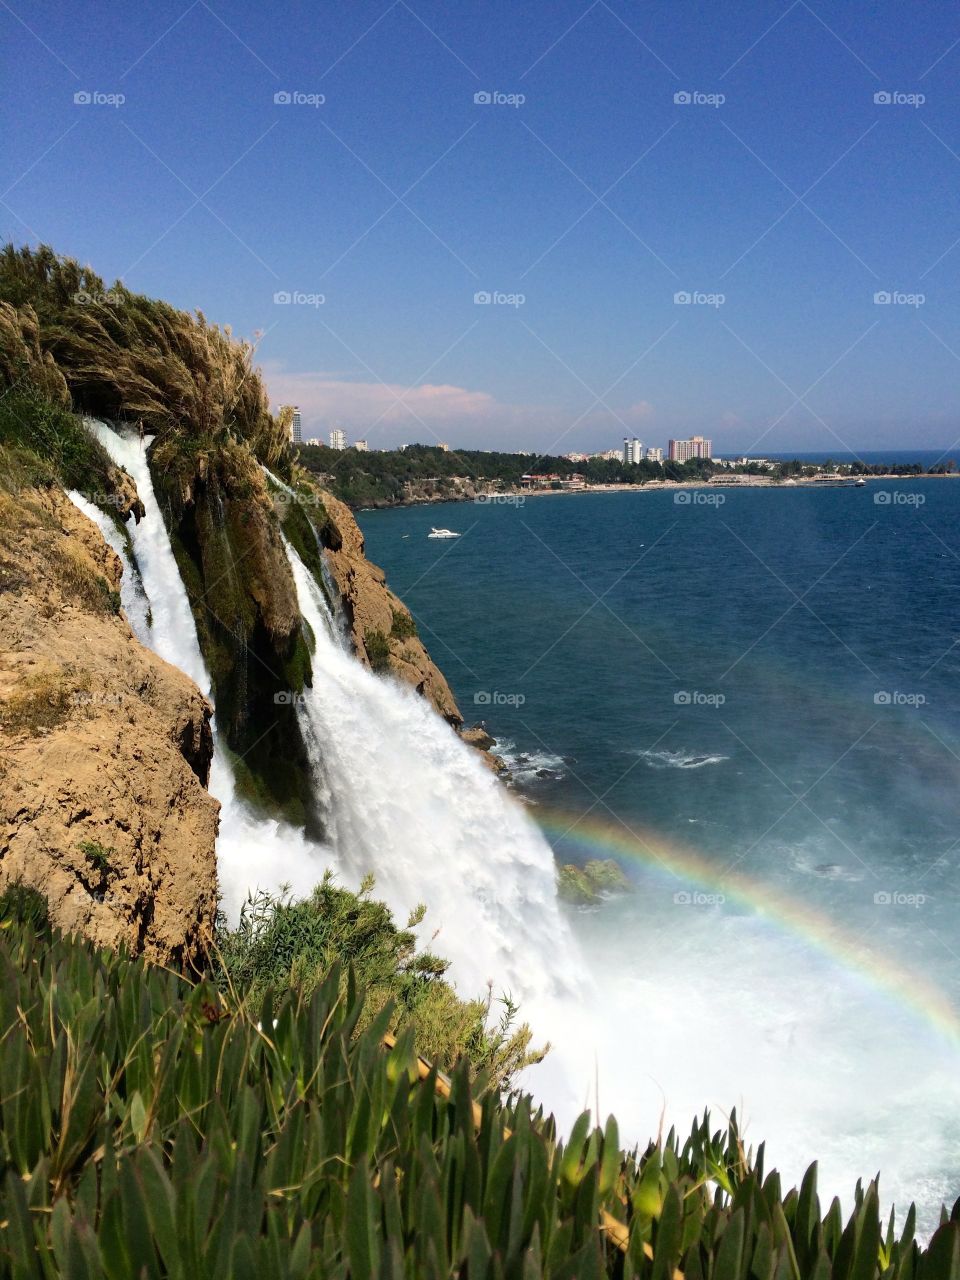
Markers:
point(591, 883)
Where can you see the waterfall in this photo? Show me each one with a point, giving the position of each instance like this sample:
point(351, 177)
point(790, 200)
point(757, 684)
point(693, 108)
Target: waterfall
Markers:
point(416, 806)
point(402, 797)
point(252, 852)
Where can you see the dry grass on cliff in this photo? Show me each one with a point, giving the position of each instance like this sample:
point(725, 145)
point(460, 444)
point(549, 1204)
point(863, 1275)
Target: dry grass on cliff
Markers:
point(42, 700)
point(123, 356)
point(79, 580)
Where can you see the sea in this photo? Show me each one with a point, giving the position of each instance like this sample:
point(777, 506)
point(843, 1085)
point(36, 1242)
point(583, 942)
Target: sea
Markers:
point(750, 700)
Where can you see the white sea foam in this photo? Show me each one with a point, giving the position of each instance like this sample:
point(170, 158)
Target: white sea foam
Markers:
point(679, 759)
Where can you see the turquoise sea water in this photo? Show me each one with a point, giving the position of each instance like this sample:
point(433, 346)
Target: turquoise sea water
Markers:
point(755, 707)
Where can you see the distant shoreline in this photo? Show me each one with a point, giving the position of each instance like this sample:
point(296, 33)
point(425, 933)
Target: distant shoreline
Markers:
point(504, 497)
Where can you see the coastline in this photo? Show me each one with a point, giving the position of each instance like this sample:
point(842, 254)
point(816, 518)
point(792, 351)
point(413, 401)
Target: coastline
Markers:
point(506, 497)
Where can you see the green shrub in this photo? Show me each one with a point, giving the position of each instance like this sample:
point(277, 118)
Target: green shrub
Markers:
point(378, 650)
point(48, 443)
point(282, 942)
point(99, 858)
point(403, 625)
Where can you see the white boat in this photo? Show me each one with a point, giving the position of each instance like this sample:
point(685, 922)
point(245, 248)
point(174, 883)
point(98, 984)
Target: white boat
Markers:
point(442, 533)
point(838, 481)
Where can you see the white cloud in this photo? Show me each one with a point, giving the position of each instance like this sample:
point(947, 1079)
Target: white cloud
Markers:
point(389, 413)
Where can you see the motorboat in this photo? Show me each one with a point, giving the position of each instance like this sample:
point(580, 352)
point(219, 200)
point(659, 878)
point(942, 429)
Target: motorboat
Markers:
point(442, 533)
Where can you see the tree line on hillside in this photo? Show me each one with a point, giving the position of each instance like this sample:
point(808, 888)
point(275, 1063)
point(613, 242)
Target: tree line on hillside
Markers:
point(362, 478)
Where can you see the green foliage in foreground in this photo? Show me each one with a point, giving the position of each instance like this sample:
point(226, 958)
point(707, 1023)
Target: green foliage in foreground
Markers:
point(281, 942)
point(150, 1128)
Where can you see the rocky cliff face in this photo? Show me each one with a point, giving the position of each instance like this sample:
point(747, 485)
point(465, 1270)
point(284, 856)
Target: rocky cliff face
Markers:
point(106, 749)
point(226, 538)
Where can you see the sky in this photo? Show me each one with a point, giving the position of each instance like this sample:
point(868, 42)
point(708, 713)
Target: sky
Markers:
point(542, 226)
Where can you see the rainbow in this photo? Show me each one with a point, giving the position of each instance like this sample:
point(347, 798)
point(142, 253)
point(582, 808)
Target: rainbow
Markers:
point(676, 863)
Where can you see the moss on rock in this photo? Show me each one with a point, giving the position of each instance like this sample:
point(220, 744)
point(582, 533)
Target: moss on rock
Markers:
point(591, 883)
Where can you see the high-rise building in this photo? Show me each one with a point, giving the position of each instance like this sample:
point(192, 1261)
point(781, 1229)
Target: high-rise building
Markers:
point(338, 439)
point(296, 430)
point(695, 447)
point(361, 446)
point(654, 455)
point(632, 450)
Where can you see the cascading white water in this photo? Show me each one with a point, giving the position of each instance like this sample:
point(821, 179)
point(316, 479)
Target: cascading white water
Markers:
point(404, 799)
point(252, 852)
point(133, 598)
point(414, 805)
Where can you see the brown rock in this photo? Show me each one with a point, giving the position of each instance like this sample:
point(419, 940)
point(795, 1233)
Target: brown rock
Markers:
point(106, 749)
point(478, 738)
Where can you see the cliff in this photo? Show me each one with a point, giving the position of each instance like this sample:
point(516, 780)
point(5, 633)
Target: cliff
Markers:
point(106, 748)
point(225, 534)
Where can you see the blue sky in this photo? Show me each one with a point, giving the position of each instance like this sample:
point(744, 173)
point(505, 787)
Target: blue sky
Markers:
point(782, 198)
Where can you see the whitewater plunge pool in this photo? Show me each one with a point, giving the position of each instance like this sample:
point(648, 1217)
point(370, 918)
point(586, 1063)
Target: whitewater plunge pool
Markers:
point(755, 708)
